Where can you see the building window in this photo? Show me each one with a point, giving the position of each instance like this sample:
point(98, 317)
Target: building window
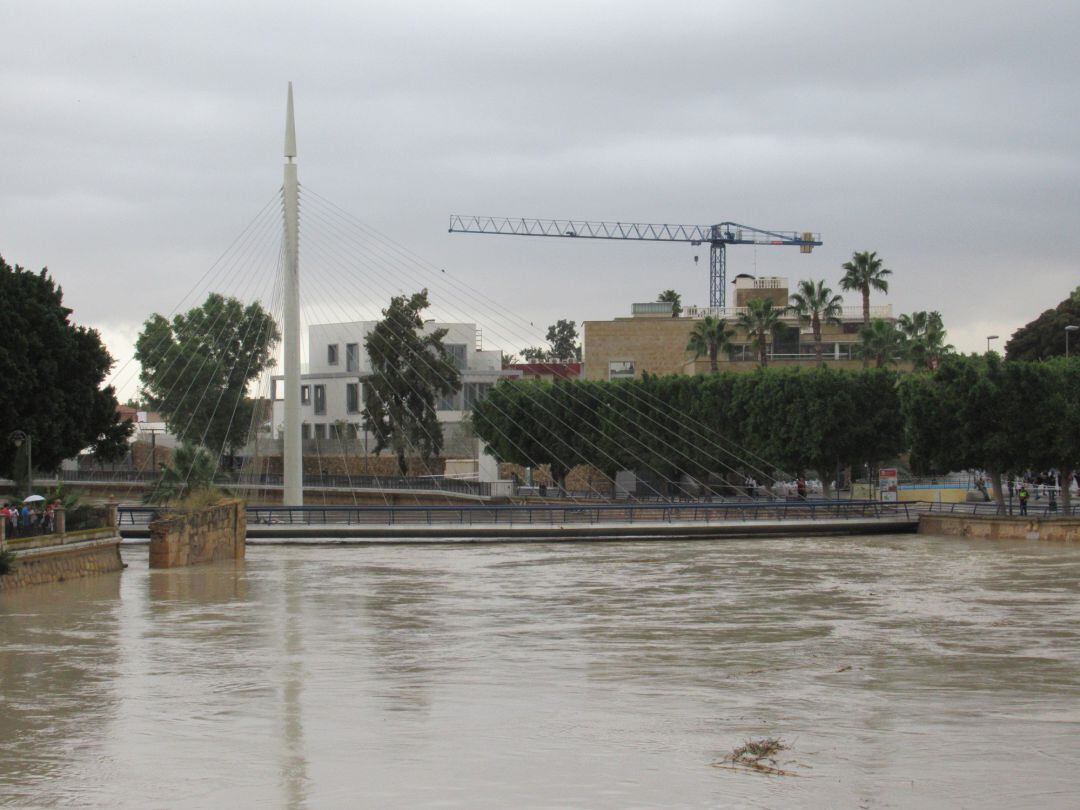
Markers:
point(320, 399)
point(474, 393)
point(331, 354)
point(620, 369)
point(352, 430)
point(448, 403)
point(305, 394)
point(786, 340)
point(305, 431)
point(457, 354)
point(320, 430)
point(352, 356)
point(273, 389)
point(852, 328)
point(352, 397)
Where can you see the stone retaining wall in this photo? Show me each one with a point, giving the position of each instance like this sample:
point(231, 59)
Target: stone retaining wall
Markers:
point(55, 558)
point(1062, 530)
point(216, 533)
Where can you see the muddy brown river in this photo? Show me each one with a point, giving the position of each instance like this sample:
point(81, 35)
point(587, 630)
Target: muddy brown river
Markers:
point(900, 671)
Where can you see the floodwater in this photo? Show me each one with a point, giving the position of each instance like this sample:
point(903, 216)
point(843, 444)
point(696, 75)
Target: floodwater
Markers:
point(901, 671)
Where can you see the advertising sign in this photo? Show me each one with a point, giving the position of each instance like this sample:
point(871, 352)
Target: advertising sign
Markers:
point(887, 480)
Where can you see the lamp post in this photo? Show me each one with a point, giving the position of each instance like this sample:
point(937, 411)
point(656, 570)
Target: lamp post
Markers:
point(17, 437)
point(988, 339)
point(1069, 329)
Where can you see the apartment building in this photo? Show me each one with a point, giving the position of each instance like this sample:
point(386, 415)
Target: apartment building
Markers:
point(332, 387)
point(653, 341)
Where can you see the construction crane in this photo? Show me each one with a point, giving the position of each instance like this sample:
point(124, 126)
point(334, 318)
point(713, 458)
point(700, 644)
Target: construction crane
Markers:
point(718, 237)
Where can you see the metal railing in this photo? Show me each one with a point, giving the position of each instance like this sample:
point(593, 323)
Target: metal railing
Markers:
point(849, 313)
point(433, 483)
point(551, 514)
point(1035, 508)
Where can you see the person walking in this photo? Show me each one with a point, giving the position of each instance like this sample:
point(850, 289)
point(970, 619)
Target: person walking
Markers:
point(1023, 496)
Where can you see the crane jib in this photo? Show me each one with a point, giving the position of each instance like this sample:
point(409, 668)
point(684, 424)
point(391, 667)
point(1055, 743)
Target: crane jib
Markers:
point(717, 236)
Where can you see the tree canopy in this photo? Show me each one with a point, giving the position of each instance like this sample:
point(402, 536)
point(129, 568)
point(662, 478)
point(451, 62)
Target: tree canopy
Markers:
point(775, 422)
point(563, 345)
point(816, 305)
point(410, 370)
point(761, 320)
point(1044, 337)
point(197, 367)
point(710, 336)
point(672, 297)
point(51, 373)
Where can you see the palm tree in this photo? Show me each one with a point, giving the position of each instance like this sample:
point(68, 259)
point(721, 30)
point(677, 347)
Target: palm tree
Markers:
point(709, 336)
point(815, 303)
point(881, 341)
point(760, 319)
point(924, 335)
point(675, 299)
point(193, 469)
point(865, 270)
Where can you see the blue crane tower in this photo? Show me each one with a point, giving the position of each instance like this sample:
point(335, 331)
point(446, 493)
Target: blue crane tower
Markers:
point(718, 237)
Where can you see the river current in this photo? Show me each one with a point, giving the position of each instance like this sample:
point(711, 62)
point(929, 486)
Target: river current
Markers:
point(903, 671)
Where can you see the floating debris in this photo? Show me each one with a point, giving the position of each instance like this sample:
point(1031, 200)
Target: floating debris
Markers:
point(756, 755)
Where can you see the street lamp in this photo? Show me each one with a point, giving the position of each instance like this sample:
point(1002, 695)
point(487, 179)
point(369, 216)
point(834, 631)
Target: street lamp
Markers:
point(1068, 329)
point(988, 339)
point(17, 437)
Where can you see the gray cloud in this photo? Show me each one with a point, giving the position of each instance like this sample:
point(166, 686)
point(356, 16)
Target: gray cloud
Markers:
point(139, 140)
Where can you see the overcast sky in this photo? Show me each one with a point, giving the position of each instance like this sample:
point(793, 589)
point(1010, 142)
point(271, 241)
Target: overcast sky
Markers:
point(139, 139)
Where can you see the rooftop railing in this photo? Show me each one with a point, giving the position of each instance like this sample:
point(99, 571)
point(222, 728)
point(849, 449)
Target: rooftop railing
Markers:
point(853, 313)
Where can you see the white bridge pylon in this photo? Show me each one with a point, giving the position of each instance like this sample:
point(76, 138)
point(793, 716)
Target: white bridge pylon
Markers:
point(293, 461)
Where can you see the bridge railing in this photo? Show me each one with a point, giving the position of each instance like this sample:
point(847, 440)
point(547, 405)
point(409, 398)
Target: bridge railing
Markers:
point(551, 514)
point(1041, 508)
point(432, 483)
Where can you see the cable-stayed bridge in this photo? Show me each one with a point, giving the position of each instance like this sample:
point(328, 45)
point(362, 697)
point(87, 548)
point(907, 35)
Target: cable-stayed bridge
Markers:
point(314, 267)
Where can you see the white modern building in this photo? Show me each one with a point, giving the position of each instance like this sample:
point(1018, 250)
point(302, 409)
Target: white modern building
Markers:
point(331, 388)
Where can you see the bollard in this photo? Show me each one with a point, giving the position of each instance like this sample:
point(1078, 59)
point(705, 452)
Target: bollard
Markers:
point(111, 514)
point(59, 520)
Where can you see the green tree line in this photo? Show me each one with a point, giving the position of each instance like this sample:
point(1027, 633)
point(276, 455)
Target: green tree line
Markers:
point(972, 412)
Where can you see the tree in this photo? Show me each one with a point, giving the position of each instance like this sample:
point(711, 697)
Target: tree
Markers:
point(197, 367)
point(709, 336)
point(410, 370)
point(562, 337)
point(51, 373)
point(882, 342)
point(864, 272)
point(760, 320)
point(815, 303)
point(675, 299)
point(965, 416)
point(193, 469)
point(924, 339)
point(1044, 337)
point(534, 354)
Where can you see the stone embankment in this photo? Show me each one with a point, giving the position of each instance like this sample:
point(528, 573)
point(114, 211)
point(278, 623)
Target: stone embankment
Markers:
point(1062, 530)
point(62, 555)
point(205, 535)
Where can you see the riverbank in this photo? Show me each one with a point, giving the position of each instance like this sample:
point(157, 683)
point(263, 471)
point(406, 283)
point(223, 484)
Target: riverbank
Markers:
point(992, 527)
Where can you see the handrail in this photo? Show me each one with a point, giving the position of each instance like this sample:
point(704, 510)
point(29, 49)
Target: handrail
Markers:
point(553, 514)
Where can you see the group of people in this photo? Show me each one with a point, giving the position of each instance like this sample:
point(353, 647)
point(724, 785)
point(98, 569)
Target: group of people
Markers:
point(1040, 485)
point(26, 519)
